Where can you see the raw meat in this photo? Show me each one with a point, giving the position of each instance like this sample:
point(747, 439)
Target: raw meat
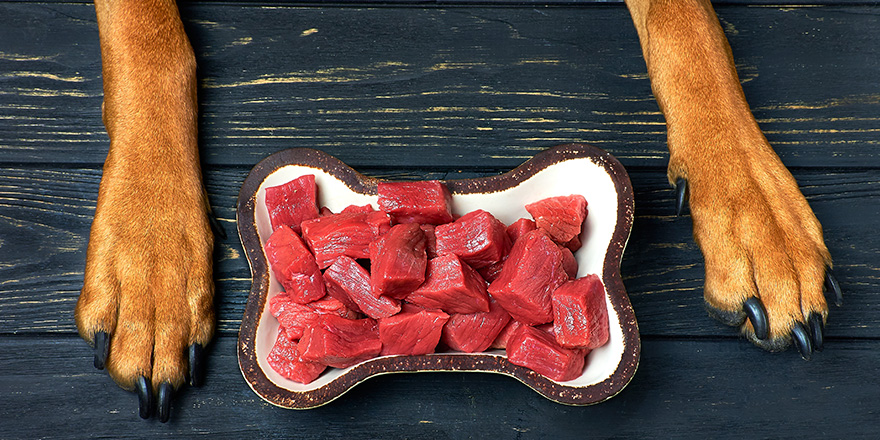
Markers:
point(477, 237)
point(285, 360)
point(504, 336)
point(562, 217)
point(569, 262)
point(492, 272)
point(347, 233)
point(294, 317)
point(357, 208)
point(398, 261)
point(580, 315)
point(519, 228)
point(427, 202)
point(533, 270)
point(574, 244)
point(425, 281)
point(291, 203)
point(475, 332)
point(346, 278)
point(411, 332)
point(338, 342)
point(538, 350)
point(294, 266)
point(452, 286)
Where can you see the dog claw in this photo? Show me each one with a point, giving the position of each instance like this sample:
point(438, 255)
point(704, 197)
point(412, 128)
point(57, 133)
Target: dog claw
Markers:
point(196, 370)
point(680, 193)
point(757, 314)
point(102, 349)
point(832, 286)
point(164, 404)
point(802, 341)
point(817, 331)
point(145, 397)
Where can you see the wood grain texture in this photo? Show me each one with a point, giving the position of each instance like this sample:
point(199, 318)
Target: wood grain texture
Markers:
point(46, 216)
point(443, 89)
point(432, 85)
point(683, 389)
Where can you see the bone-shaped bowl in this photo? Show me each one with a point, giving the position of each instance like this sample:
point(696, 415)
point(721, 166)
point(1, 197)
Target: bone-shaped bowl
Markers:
point(562, 170)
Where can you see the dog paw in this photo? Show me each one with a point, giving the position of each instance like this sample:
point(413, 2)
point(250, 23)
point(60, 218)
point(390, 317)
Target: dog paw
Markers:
point(765, 257)
point(146, 302)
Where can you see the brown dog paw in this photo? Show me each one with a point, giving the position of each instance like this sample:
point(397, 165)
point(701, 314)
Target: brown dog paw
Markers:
point(147, 299)
point(146, 303)
point(765, 256)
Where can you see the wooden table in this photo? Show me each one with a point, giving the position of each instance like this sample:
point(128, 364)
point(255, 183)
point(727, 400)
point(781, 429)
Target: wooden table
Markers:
point(415, 90)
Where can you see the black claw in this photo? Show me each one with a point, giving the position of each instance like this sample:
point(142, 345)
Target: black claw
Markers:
point(219, 231)
point(680, 194)
point(145, 397)
point(164, 406)
point(754, 309)
point(102, 349)
point(817, 331)
point(196, 367)
point(832, 286)
point(802, 341)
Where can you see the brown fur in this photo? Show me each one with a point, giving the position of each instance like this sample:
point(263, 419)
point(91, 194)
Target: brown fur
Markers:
point(148, 274)
point(757, 233)
point(148, 278)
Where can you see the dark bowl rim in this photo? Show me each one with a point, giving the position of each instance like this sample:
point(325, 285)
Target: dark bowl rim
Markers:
point(481, 362)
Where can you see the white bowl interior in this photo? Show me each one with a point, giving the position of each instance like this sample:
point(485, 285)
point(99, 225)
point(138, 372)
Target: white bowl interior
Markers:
point(574, 176)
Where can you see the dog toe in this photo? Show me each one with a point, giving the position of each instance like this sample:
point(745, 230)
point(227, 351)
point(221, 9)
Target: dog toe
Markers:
point(765, 261)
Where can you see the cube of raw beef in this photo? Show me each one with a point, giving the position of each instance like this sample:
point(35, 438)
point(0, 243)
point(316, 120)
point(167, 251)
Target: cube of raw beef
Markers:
point(562, 217)
point(291, 203)
point(344, 234)
point(519, 228)
point(357, 208)
point(416, 202)
point(580, 315)
point(477, 237)
point(294, 266)
point(348, 281)
point(569, 262)
point(294, 317)
point(475, 332)
point(286, 361)
point(338, 342)
point(538, 350)
point(411, 332)
point(452, 286)
point(398, 261)
point(533, 270)
point(504, 336)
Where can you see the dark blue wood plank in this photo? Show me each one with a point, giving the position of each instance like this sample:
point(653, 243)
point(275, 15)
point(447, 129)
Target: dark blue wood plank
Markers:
point(443, 87)
point(683, 389)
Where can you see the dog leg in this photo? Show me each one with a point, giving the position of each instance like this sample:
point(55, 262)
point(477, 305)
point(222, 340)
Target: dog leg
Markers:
point(764, 253)
point(146, 302)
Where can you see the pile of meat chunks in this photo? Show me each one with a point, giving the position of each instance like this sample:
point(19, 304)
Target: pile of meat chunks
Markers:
point(411, 279)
